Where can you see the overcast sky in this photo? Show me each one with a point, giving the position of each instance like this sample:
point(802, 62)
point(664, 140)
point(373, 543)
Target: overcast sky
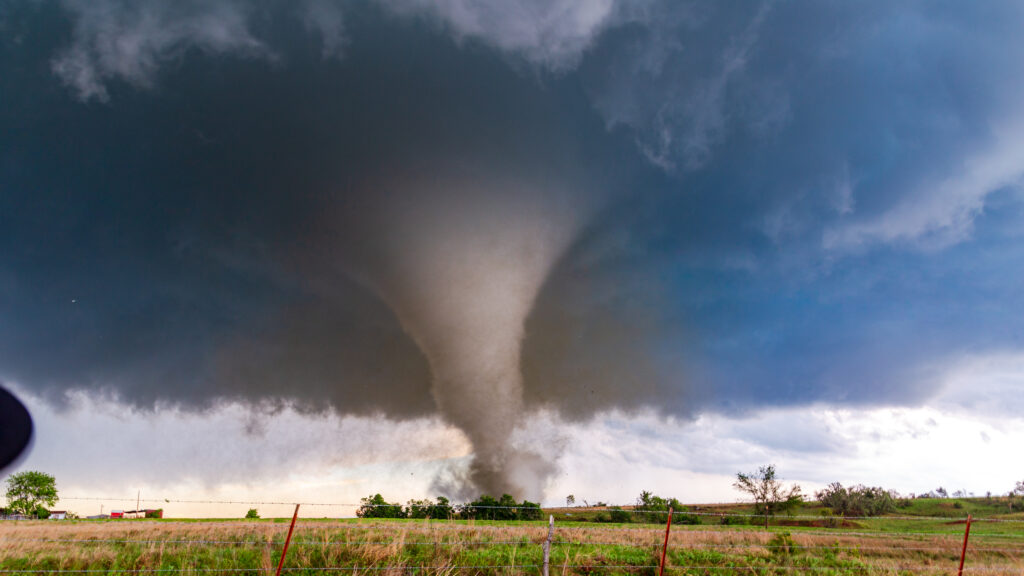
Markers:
point(313, 250)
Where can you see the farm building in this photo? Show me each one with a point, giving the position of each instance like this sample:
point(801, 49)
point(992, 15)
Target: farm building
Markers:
point(58, 515)
point(146, 513)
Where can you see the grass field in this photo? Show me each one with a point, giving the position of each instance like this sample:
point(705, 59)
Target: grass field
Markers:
point(922, 538)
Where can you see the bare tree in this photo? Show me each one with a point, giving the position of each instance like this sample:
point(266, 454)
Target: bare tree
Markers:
point(770, 496)
point(1018, 490)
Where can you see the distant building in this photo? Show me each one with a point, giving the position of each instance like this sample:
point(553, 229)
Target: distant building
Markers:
point(147, 513)
point(58, 515)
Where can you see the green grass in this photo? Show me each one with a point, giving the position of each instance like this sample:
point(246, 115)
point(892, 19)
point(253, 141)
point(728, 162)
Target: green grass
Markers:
point(923, 537)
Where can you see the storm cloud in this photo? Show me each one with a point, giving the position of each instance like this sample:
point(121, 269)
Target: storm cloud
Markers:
point(482, 209)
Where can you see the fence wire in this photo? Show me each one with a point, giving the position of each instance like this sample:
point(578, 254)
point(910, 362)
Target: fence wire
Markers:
point(627, 508)
point(1001, 557)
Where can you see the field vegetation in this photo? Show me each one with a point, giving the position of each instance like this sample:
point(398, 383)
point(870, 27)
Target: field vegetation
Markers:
point(923, 536)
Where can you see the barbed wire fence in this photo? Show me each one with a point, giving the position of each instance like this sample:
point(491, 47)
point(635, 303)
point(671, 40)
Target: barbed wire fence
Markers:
point(761, 552)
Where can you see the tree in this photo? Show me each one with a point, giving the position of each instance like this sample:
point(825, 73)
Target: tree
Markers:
point(376, 507)
point(856, 500)
point(570, 500)
point(768, 493)
point(252, 514)
point(505, 508)
point(1018, 490)
point(30, 491)
point(654, 509)
point(427, 508)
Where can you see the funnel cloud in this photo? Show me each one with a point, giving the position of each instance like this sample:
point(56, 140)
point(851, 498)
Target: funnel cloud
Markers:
point(462, 276)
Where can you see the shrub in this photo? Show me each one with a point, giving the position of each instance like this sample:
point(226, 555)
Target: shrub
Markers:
point(829, 520)
point(619, 516)
point(252, 514)
point(686, 519)
point(782, 544)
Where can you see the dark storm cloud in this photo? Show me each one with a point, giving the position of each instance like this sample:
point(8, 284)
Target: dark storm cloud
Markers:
point(366, 209)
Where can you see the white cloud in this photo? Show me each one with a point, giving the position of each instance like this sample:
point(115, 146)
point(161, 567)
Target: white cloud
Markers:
point(990, 383)
point(553, 34)
point(959, 441)
point(678, 110)
point(97, 448)
point(327, 19)
point(128, 40)
point(942, 210)
point(908, 449)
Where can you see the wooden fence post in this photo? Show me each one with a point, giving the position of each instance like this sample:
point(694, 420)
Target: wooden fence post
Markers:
point(963, 553)
point(287, 539)
point(547, 544)
point(664, 549)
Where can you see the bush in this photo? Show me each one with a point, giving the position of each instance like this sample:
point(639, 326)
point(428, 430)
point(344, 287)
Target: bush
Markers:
point(619, 516)
point(782, 544)
point(829, 520)
point(252, 514)
point(686, 519)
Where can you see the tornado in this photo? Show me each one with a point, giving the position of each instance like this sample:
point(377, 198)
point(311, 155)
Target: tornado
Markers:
point(461, 267)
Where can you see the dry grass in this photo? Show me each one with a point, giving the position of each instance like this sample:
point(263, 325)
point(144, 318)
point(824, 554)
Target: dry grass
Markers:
point(446, 548)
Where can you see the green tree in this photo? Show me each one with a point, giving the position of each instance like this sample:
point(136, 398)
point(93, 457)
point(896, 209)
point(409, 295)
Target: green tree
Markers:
point(856, 500)
point(505, 508)
point(30, 491)
point(529, 510)
point(653, 509)
point(427, 508)
point(770, 497)
point(376, 507)
point(252, 514)
point(570, 500)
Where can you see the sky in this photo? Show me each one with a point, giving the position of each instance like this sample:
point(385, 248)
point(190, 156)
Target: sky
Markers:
point(310, 251)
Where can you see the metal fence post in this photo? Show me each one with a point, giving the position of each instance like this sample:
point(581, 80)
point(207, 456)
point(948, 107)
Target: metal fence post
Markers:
point(547, 544)
point(664, 549)
point(287, 539)
point(963, 553)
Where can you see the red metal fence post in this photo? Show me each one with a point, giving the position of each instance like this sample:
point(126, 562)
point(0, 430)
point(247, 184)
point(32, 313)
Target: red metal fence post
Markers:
point(664, 548)
point(963, 553)
point(287, 539)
